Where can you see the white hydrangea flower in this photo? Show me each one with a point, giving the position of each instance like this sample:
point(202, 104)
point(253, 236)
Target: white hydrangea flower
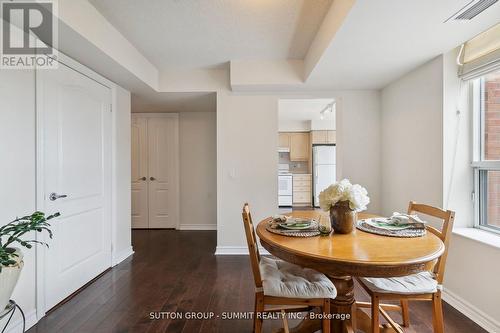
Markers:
point(344, 191)
point(358, 198)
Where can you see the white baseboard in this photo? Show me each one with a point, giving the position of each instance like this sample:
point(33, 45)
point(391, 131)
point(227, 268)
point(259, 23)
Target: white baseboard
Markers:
point(236, 251)
point(198, 227)
point(473, 313)
point(121, 255)
point(17, 325)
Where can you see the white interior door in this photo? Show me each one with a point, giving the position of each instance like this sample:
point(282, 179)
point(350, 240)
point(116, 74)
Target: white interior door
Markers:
point(163, 171)
point(74, 118)
point(139, 136)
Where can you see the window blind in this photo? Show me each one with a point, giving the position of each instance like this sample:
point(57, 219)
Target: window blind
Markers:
point(481, 54)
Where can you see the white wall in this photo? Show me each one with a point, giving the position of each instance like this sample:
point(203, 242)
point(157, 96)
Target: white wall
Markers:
point(88, 22)
point(323, 125)
point(247, 137)
point(17, 151)
point(287, 125)
point(457, 147)
point(481, 301)
point(198, 170)
point(471, 280)
point(247, 127)
point(420, 127)
point(18, 187)
point(412, 133)
point(359, 142)
point(121, 177)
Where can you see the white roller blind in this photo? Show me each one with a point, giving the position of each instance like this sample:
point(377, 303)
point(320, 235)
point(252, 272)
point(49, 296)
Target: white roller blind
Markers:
point(481, 54)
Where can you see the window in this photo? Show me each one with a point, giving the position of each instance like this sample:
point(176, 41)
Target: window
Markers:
point(486, 164)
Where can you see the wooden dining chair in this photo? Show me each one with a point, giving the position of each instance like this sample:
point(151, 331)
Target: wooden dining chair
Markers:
point(425, 286)
point(284, 287)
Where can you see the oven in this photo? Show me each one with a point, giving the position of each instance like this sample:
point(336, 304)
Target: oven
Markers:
point(285, 189)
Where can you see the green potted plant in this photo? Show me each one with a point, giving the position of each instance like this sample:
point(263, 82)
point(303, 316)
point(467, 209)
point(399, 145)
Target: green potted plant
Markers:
point(11, 258)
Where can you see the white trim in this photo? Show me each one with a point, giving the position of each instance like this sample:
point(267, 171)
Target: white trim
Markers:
point(473, 313)
point(82, 69)
point(17, 325)
point(40, 251)
point(198, 227)
point(486, 165)
point(236, 251)
point(483, 236)
point(118, 257)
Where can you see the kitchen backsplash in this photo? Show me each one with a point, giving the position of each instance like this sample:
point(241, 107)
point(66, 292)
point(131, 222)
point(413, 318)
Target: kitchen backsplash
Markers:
point(295, 167)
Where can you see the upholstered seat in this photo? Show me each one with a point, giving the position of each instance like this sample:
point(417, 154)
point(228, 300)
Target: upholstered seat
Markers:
point(283, 279)
point(425, 286)
point(420, 283)
point(284, 287)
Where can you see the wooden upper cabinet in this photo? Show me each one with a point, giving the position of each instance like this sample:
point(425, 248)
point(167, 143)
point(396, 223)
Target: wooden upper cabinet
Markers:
point(331, 137)
point(319, 137)
point(323, 137)
point(284, 140)
point(299, 146)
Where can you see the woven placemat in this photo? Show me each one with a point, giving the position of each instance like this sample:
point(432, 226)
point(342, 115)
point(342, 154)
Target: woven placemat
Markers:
point(405, 233)
point(310, 232)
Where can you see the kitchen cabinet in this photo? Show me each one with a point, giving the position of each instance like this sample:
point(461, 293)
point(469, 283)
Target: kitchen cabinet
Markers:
point(302, 189)
point(331, 137)
point(284, 140)
point(323, 137)
point(299, 146)
point(319, 137)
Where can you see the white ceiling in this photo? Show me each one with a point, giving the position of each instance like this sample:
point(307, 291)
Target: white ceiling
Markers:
point(175, 34)
point(383, 39)
point(174, 102)
point(378, 42)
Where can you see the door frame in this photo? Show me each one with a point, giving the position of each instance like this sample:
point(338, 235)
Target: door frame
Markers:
point(40, 251)
point(177, 154)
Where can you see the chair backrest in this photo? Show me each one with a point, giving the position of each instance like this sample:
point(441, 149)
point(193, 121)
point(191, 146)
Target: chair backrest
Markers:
point(444, 234)
point(253, 248)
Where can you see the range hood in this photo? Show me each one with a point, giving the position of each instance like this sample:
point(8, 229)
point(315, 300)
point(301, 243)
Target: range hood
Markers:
point(283, 150)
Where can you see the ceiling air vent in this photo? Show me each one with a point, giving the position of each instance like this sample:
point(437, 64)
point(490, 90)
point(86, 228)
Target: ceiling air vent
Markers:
point(472, 9)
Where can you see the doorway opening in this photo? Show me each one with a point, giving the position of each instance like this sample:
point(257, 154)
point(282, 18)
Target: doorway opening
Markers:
point(307, 144)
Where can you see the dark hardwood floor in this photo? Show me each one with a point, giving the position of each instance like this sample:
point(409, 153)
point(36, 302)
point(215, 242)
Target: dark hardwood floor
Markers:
point(176, 271)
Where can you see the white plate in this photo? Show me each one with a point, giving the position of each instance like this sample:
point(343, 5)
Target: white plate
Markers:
point(296, 224)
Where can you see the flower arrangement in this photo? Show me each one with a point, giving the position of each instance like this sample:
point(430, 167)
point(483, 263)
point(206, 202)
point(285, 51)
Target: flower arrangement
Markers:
point(356, 195)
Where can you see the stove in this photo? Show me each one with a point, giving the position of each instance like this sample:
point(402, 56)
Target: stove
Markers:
point(285, 183)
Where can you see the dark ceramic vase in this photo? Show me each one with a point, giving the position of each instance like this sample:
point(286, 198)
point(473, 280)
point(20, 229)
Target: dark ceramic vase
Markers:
point(342, 218)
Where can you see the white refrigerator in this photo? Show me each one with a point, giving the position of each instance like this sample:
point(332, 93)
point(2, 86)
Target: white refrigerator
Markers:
point(323, 169)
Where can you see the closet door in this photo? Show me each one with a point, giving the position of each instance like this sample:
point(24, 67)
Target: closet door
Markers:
point(139, 136)
point(163, 166)
point(74, 171)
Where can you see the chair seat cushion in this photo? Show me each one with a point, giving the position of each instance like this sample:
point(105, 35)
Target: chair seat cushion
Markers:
point(420, 283)
point(283, 279)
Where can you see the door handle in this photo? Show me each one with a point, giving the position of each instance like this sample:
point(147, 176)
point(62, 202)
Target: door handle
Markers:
point(54, 196)
point(143, 178)
point(152, 178)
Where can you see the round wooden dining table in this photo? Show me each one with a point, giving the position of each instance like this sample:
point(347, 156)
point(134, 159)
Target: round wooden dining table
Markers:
point(344, 256)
